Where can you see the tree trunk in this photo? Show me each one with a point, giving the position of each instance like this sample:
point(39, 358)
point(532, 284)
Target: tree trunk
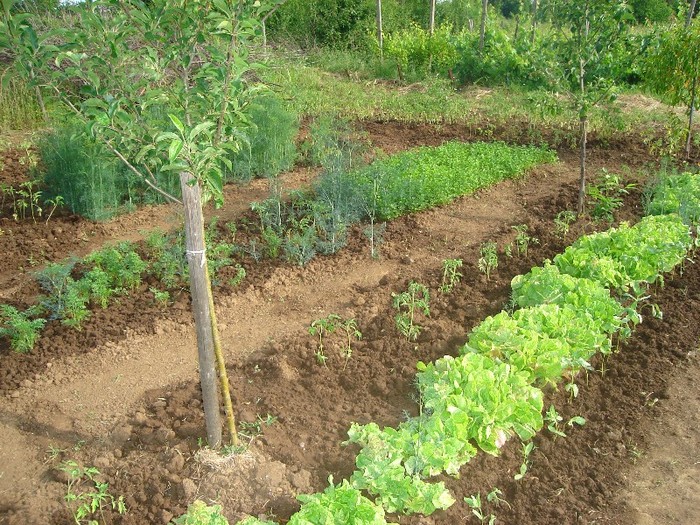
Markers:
point(691, 12)
point(380, 32)
point(582, 160)
point(691, 112)
point(482, 31)
point(534, 20)
point(197, 262)
point(432, 17)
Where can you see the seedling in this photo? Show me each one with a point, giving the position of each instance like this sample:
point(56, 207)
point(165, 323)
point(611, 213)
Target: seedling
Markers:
point(54, 203)
point(495, 498)
point(251, 430)
point(450, 274)
point(488, 261)
point(606, 196)
point(349, 326)
point(474, 502)
point(323, 327)
point(91, 502)
point(416, 298)
point(525, 465)
point(553, 421)
point(20, 328)
point(562, 222)
point(238, 278)
point(523, 239)
point(162, 297)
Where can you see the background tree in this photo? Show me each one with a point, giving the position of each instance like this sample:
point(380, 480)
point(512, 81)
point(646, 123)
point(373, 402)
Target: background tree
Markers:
point(482, 30)
point(162, 86)
point(588, 33)
point(672, 69)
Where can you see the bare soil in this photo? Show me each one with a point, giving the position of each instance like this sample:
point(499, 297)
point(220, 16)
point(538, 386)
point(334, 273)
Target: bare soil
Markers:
point(122, 394)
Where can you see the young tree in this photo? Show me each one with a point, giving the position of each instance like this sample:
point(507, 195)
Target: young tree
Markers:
point(161, 85)
point(673, 70)
point(588, 33)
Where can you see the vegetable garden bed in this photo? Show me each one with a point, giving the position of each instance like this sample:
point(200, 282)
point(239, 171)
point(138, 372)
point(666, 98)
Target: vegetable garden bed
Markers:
point(297, 410)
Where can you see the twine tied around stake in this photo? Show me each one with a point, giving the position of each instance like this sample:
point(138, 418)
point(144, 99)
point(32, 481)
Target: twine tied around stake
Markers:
point(189, 253)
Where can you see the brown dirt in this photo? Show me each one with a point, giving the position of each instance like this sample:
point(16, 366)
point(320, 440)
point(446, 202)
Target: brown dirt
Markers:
point(122, 394)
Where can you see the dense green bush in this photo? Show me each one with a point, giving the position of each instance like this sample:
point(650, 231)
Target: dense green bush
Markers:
point(427, 177)
point(418, 52)
point(92, 182)
point(338, 23)
point(271, 146)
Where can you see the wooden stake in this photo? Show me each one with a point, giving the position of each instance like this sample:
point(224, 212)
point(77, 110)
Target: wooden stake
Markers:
point(197, 262)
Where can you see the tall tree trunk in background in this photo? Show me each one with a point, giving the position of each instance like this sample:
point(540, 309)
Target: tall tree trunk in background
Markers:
point(534, 20)
point(432, 17)
point(484, 9)
point(691, 112)
point(380, 32)
point(196, 258)
point(583, 126)
point(691, 12)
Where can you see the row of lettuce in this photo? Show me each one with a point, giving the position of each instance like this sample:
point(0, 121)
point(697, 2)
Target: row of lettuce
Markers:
point(316, 221)
point(569, 309)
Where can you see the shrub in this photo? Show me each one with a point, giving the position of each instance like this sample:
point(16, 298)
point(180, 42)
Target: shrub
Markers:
point(271, 148)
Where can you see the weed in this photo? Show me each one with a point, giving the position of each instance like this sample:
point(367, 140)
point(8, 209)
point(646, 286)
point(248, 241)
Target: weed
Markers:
point(450, 275)
point(495, 498)
point(415, 299)
point(91, 502)
point(562, 222)
point(488, 261)
point(20, 328)
point(299, 246)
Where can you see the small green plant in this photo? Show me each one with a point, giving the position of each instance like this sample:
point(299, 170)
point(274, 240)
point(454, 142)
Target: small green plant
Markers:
point(523, 240)
point(488, 261)
point(349, 326)
point(563, 222)
point(54, 204)
point(162, 297)
point(494, 497)
point(554, 421)
point(323, 327)
point(199, 513)
point(21, 328)
point(525, 465)
point(26, 200)
point(474, 502)
point(408, 303)
point(252, 430)
point(450, 274)
point(606, 195)
point(86, 497)
point(238, 278)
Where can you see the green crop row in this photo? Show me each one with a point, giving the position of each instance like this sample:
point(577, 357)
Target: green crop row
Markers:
point(72, 289)
point(426, 177)
point(493, 389)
